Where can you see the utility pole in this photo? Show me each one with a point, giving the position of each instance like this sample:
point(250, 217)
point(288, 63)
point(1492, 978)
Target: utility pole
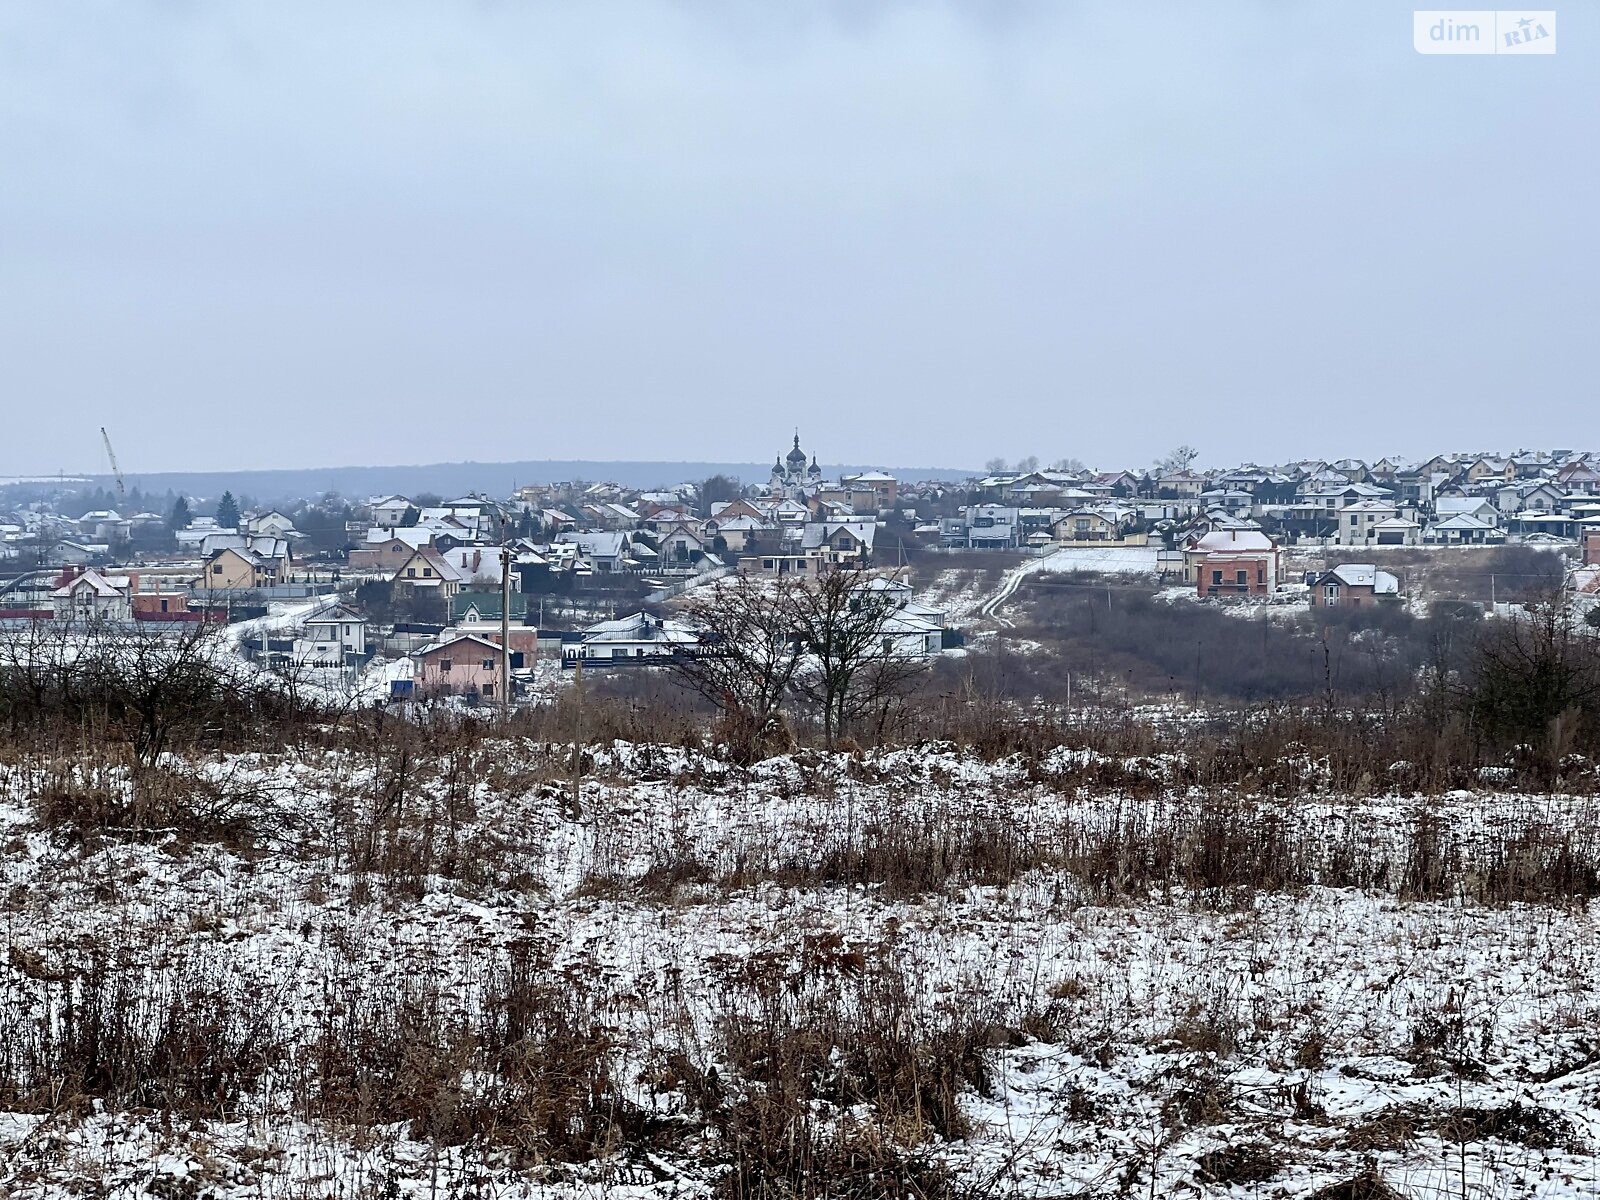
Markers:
point(505, 633)
point(577, 740)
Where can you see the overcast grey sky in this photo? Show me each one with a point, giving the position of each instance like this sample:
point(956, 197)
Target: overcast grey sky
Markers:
point(297, 234)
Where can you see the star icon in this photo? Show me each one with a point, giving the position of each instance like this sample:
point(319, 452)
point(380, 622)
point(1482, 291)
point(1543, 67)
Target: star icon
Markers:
point(1525, 22)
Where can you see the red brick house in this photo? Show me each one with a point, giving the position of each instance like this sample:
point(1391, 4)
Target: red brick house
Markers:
point(1591, 547)
point(1232, 562)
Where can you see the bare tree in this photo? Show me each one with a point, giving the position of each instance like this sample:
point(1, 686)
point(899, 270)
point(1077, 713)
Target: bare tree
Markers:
point(853, 666)
point(1533, 679)
point(159, 683)
point(746, 660)
point(1181, 458)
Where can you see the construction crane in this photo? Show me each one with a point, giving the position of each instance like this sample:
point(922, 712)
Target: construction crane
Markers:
point(122, 492)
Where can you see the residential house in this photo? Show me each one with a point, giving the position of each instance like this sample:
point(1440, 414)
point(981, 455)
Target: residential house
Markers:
point(391, 512)
point(1539, 495)
point(476, 564)
point(77, 554)
point(1181, 485)
point(681, 546)
point(1491, 470)
point(909, 629)
point(1096, 525)
point(637, 640)
point(1534, 525)
point(842, 542)
point(1462, 530)
point(1352, 585)
point(737, 533)
point(810, 564)
point(1532, 466)
point(385, 550)
point(1232, 562)
point(870, 492)
point(92, 595)
point(606, 549)
point(1579, 476)
point(427, 568)
point(1352, 469)
point(478, 614)
point(1396, 531)
point(1234, 502)
point(193, 535)
point(271, 524)
point(468, 666)
point(723, 510)
point(1386, 469)
point(983, 527)
point(1357, 521)
point(1591, 547)
point(335, 638)
point(258, 563)
point(105, 525)
point(1477, 507)
point(1119, 483)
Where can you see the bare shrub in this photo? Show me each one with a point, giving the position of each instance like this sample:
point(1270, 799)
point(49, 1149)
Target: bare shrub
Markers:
point(532, 1070)
point(195, 1041)
point(807, 1043)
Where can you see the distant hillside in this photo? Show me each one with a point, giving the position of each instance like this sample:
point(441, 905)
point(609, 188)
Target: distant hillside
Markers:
point(454, 479)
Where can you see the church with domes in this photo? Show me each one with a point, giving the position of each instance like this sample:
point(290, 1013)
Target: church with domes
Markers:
point(790, 474)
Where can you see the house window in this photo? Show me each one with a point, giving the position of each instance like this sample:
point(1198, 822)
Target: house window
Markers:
point(445, 664)
point(411, 572)
point(1216, 577)
point(216, 569)
point(1331, 593)
point(1241, 577)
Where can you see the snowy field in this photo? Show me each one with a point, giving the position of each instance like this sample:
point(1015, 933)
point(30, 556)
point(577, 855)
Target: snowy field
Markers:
point(1145, 1038)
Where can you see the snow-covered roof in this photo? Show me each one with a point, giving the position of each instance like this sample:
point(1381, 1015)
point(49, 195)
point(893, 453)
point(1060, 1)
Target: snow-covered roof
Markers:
point(1366, 506)
point(1229, 541)
point(597, 545)
point(1365, 575)
point(1462, 521)
point(426, 651)
point(641, 627)
point(104, 586)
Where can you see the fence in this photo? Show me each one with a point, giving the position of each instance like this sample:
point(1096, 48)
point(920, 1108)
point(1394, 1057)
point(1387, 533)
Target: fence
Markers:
point(683, 585)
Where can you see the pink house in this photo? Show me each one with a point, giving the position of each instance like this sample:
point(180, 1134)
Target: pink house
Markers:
point(464, 666)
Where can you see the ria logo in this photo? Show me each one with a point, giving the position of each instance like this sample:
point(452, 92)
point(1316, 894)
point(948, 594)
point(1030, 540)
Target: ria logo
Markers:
point(1483, 31)
point(1527, 31)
